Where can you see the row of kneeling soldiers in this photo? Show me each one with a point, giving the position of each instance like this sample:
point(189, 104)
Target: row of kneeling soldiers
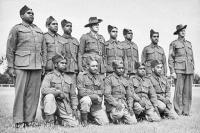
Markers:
point(112, 98)
point(30, 55)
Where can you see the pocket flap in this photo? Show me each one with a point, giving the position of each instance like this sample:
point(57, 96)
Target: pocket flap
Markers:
point(22, 53)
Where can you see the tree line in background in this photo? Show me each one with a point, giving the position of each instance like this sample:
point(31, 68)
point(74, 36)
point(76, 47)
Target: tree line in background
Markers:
point(6, 79)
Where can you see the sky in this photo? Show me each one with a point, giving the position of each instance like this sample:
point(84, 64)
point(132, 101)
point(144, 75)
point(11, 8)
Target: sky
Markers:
point(138, 15)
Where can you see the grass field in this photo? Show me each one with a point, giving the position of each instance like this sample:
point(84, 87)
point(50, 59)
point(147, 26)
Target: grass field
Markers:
point(184, 124)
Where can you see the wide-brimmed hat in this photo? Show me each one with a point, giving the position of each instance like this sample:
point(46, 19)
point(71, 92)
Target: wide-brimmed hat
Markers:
point(179, 28)
point(92, 21)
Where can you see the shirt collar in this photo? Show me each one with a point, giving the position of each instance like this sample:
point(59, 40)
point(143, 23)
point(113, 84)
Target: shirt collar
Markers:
point(112, 40)
point(52, 34)
point(154, 45)
point(181, 39)
point(67, 36)
point(27, 25)
point(57, 73)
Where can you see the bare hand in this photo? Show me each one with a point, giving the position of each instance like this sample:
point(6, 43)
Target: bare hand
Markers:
point(173, 75)
point(11, 72)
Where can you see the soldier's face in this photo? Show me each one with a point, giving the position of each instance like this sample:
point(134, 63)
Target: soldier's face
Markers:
point(155, 38)
point(158, 69)
point(93, 67)
point(67, 28)
point(182, 33)
point(113, 33)
point(28, 17)
point(95, 28)
point(129, 36)
point(53, 27)
point(120, 70)
point(141, 71)
point(61, 66)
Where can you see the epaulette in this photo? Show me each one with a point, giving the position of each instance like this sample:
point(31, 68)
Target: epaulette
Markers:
point(188, 41)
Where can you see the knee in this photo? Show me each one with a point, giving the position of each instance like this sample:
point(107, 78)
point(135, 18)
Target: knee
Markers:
point(85, 103)
point(49, 104)
point(161, 106)
point(138, 108)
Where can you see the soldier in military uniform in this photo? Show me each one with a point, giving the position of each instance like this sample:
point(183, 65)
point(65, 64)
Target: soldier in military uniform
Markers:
point(54, 42)
point(113, 50)
point(117, 92)
point(92, 45)
point(153, 52)
point(71, 49)
point(146, 105)
point(162, 89)
point(26, 56)
point(181, 65)
point(90, 88)
point(131, 51)
point(59, 100)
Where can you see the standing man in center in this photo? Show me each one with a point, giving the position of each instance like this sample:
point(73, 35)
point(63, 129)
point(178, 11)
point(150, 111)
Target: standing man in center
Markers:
point(131, 51)
point(71, 49)
point(54, 42)
point(92, 45)
point(113, 50)
point(153, 52)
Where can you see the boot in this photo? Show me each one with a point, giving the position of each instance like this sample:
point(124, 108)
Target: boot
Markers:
point(169, 114)
point(50, 120)
point(84, 118)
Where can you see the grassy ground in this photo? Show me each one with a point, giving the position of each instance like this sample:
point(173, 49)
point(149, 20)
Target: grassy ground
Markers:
point(182, 125)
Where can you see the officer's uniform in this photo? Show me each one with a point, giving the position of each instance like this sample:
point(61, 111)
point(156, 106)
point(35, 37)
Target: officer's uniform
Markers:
point(89, 85)
point(91, 45)
point(117, 90)
point(181, 62)
point(55, 45)
point(60, 108)
point(131, 51)
point(71, 53)
point(26, 53)
point(114, 51)
point(146, 93)
point(162, 90)
point(153, 52)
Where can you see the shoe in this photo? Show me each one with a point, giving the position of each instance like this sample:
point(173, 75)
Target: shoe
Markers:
point(19, 125)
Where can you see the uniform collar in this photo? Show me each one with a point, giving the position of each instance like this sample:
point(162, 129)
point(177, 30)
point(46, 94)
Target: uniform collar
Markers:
point(116, 76)
point(58, 73)
point(113, 41)
point(91, 75)
point(52, 34)
point(130, 42)
point(27, 25)
point(139, 78)
point(181, 39)
point(155, 76)
point(94, 35)
point(67, 36)
point(154, 45)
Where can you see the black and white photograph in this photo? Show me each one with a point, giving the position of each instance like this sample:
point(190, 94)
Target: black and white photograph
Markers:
point(99, 66)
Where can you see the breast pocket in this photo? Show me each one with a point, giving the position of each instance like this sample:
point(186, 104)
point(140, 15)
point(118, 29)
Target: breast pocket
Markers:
point(39, 36)
point(120, 52)
point(56, 83)
point(160, 54)
point(67, 86)
point(25, 35)
point(145, 88)
point(150, 54)
point(180, 50)
point(110, 51)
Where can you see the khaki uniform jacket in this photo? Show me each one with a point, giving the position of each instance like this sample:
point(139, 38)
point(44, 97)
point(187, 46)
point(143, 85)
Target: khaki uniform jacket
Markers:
point(144, 90)
point(116, 88)
point(71, 53)
point(153, 52)
point(114, 51)
point(91, 45)
point(131, 51)
point(89, 84)
point(161, 86)
point(54, 81)
point(25, 47)
point(181, 58)
point(55, 45)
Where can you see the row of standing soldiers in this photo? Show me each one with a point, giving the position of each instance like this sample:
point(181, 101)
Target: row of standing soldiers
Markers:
point(30, 53)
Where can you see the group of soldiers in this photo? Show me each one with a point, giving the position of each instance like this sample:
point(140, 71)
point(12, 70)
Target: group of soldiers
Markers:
point(95, 80)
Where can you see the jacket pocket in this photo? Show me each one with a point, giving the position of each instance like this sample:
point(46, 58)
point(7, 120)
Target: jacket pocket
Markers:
point(179, 64)
point(22, 58)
